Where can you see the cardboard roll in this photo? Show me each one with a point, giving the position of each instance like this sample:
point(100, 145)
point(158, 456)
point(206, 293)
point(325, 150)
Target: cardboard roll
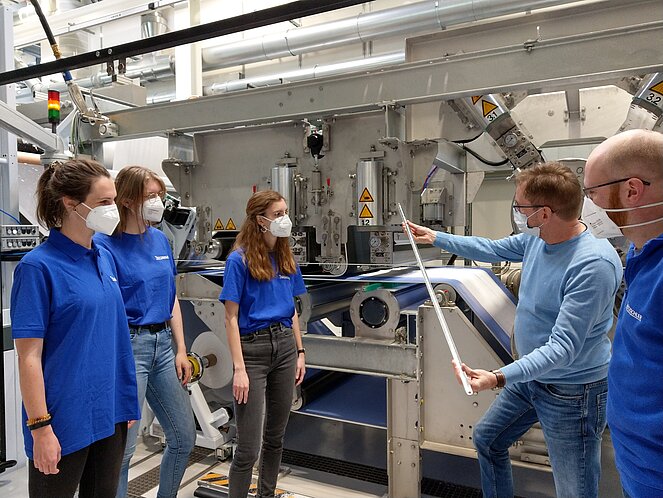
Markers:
point(219, 374)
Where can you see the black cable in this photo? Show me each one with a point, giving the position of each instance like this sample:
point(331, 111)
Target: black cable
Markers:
point(44, 23)
point(483, 159)
point(467, 140)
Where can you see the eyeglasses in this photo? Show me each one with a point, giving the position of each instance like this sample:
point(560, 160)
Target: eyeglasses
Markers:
point(154, 195)
point(518, 207)
point(588, 190)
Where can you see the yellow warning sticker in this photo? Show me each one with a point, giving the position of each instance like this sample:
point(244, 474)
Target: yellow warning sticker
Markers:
point(231, 225)
point(366, 196)
point(658, 88)
point(365, 212)
point(487, 107)
point(218, 225)
point(476, 98)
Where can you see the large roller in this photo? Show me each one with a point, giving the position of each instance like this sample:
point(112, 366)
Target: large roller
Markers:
point(376, 313)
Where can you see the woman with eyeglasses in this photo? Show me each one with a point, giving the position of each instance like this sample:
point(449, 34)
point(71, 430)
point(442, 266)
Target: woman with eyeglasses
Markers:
point(75, 365)
point(146, 274)
point(260, 281)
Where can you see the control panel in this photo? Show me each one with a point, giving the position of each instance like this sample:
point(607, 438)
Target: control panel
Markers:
point(19, 237)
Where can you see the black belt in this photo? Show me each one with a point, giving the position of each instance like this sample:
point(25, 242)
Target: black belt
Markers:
point(273, 327)
point(152, 327)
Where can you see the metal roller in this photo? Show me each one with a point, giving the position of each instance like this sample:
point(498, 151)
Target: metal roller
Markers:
point(375, 314)
point(322, 300)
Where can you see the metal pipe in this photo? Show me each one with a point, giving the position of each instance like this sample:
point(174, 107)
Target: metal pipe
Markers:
point(257, 19)
point(166, 95)
point(304, 74)
point(431, 15)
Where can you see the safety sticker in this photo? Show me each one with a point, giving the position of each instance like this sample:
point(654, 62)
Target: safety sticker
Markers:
point(231, 225)
point(365, 212)
point(658, 88)
point(366, 196)
point(213, 480)
point(476, 98)
point(218, 225)
point(487, 107)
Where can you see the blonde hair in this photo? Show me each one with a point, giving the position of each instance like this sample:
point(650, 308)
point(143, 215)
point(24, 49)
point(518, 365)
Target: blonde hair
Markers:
point(252, 243)
point(130, 184)
point(554, 185)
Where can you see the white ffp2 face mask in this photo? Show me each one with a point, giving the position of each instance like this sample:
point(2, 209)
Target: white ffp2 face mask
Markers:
point(153, 209)
point(102, 219)
point(602, 227)
point(281, 226)
point(521, 223)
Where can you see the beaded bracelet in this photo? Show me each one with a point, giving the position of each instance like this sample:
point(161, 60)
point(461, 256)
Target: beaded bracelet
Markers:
point(36, 423)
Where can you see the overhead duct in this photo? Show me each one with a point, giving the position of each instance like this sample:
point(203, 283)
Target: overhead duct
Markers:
point(153, 24)
point(407, 19)
point(160, 95)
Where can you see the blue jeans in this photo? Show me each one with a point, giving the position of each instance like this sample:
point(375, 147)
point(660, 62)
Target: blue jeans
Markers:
point(572, 417)
point(157, 380)
point(270, 361)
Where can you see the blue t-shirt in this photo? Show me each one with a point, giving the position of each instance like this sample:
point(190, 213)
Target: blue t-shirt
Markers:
point(564, 312)
point(635, 390)
point(68, 296)
point(146, 273)
point(260, 303)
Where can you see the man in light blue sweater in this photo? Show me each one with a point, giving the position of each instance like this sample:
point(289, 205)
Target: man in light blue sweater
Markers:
point(568, 286)
point(624, 180)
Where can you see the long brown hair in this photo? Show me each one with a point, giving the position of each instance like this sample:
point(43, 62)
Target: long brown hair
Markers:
point(74, 179)
point(252, 243)
point(130, 184)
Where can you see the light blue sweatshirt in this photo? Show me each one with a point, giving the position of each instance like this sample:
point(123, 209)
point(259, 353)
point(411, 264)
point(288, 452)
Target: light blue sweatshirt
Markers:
point(564, 311)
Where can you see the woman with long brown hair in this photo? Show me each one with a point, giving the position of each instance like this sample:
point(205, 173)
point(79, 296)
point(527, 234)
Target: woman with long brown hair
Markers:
point(146, 273)
point(260, 281)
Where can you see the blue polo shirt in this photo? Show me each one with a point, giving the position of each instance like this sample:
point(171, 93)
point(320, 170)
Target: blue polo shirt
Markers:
point(68, 296)
point(635, 390)
point(146, 273)
point(260, 303)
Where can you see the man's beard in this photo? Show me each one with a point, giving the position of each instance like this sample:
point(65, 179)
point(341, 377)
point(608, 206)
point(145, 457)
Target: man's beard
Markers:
point(621, 217)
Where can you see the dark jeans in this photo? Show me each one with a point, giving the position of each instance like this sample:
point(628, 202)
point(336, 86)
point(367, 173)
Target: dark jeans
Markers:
point(270, 361)
point(95, 467)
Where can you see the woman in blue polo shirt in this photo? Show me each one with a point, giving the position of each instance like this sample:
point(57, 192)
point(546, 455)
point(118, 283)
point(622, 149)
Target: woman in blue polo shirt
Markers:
point(259, 283)
point(146, 273)
point(75, 363)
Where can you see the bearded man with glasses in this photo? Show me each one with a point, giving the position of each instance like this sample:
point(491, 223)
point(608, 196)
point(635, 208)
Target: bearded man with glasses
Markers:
point(624, 189)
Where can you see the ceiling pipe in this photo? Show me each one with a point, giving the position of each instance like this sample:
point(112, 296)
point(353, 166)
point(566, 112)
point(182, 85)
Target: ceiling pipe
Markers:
point(427, 16)
point(372, 63)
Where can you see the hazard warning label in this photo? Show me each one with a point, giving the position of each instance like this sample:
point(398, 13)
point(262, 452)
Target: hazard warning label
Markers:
point(365, 212)
point(231, 225)
point(476, 99)
point(658, 88)
point(366, 196)
point(487, 107)
point(218, 225)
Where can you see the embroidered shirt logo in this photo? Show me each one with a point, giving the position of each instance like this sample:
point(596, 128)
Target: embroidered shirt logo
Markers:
point(113, 278)
point(161, 258)
point(284, 277)
point(633, 313)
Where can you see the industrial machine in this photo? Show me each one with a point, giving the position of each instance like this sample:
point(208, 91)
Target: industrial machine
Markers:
point(450, 125)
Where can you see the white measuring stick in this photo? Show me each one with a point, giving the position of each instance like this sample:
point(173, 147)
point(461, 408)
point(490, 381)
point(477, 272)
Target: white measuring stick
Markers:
point(436, 305)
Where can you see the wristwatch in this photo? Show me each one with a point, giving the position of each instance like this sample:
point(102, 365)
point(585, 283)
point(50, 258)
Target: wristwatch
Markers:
point(301, 351)
point(501, 379)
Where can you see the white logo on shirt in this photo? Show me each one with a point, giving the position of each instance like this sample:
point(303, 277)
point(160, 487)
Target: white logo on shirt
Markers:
point(284, 277)
point(633, 313)
point(161, 258)
point(113, 278)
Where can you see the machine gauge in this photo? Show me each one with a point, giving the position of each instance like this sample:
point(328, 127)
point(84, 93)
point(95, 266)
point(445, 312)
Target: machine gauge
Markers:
point(374, 242)
point(510, 140)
